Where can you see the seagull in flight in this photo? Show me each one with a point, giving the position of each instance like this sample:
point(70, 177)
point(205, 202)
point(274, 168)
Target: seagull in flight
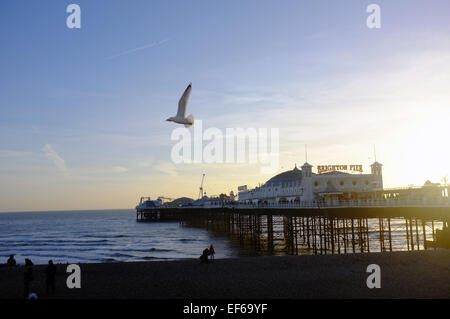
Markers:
point(181, 118)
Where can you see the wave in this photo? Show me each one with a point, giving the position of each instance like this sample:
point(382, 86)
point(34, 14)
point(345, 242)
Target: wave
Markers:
point(42, 242)
point(155, 258)
point(105, 235)
point(109, 260)
point(160, 249)
point(187, 239)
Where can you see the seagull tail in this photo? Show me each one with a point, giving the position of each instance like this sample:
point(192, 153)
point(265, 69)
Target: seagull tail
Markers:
point(190, 119)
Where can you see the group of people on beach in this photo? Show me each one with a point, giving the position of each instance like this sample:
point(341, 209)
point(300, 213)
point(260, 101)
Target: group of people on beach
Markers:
point(207, 252)
point(50, 274)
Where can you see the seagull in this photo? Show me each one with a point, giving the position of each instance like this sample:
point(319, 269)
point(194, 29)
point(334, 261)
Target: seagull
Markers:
point(181, 118)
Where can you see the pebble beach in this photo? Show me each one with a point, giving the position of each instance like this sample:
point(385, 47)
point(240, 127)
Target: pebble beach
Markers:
point(414, 274)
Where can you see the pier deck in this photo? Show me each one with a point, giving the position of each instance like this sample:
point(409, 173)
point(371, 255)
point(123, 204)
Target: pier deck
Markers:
point(426, 212)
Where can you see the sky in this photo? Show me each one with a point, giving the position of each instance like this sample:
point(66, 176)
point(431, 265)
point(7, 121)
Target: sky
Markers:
point(82, 111)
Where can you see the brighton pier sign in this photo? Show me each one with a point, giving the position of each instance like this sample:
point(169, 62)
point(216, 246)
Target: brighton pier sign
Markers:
point(334, 168)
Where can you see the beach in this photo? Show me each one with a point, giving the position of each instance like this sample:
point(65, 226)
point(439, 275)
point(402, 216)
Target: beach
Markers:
point(414, 274)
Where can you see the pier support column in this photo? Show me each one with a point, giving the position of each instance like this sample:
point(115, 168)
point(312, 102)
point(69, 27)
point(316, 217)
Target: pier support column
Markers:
point(353, 236)
point(407, 233)
point(390, 236)
point(417, 236)
point(424, 235)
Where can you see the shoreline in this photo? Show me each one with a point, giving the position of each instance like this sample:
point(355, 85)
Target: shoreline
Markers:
point(413, 274)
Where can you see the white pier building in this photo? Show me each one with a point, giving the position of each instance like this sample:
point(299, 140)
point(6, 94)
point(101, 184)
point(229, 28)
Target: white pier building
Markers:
point(334, 187)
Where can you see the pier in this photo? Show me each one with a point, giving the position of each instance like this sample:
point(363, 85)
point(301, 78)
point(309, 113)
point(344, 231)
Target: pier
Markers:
point(296, 231)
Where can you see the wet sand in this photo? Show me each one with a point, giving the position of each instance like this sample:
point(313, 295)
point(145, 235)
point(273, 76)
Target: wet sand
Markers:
point(419, 274)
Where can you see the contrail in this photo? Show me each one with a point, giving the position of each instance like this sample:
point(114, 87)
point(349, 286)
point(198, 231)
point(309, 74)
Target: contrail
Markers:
point(139, 48)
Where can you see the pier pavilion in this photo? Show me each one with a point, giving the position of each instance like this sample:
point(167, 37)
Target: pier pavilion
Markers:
point(302, 187)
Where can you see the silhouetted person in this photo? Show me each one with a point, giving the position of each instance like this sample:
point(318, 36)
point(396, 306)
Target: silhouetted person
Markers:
point(28, 276)
point(11, 261)
point(50, 273)
point(211, 252)
point(204, 256)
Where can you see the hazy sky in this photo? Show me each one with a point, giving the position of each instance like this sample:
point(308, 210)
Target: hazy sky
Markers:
point(82, 111)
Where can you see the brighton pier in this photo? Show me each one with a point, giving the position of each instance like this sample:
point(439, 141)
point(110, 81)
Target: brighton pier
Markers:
point(328, 212)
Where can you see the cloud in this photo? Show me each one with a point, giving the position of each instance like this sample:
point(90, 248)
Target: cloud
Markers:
point(245, 99)
point(167, 168)
point(120, 169)
point(51, 154)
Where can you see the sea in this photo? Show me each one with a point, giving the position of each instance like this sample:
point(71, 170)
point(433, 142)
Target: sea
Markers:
point(101, 236)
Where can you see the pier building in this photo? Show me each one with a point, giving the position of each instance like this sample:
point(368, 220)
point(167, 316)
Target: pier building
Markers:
point(334, 185)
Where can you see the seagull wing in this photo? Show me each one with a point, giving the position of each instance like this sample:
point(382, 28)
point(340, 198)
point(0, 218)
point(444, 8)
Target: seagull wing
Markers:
point(182, 104)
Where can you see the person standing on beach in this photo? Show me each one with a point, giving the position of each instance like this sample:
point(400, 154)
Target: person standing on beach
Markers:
point(28, 276)
point(50, 273)
point(211, 252)
point(204, 256)
point(11, 261)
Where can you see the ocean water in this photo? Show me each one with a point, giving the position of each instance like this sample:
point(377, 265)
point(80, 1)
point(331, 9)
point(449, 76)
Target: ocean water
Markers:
point(100, 236)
